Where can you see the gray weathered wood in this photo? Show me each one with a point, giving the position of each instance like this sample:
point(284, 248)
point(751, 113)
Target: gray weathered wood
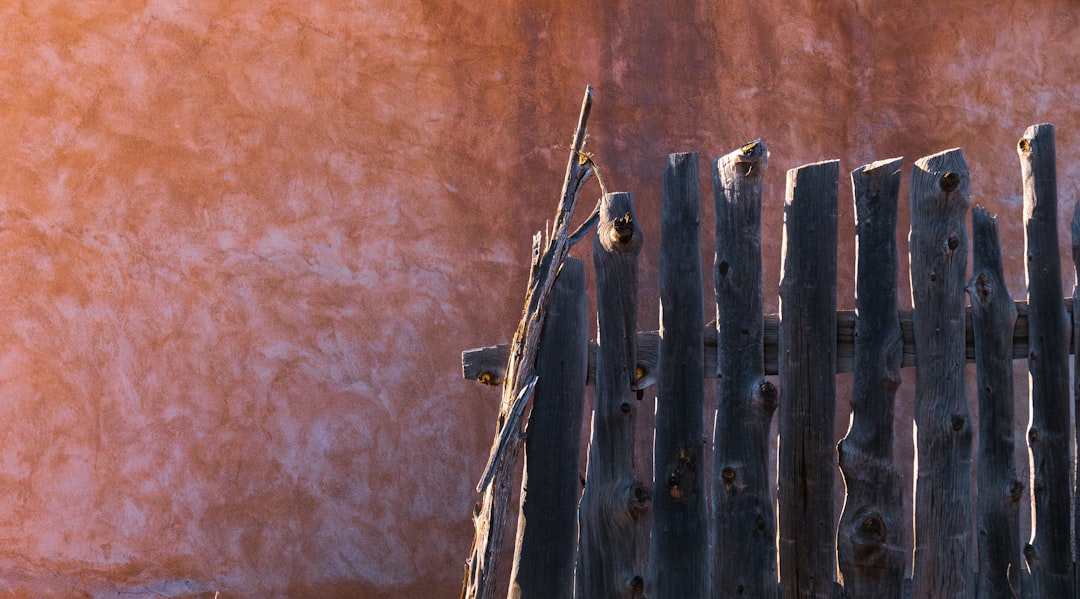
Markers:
point(1049, 441)
point(491, 513)
point(487, 364)
point(613, 500)
point(938, 246)
point(1075, 230)
point(678, 546)
point(1000, 489)
point(807, 459)
point(871, 551)
point(744, 555)
point(545, 551)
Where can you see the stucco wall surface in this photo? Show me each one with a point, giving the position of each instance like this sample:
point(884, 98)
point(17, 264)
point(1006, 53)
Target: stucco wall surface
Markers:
point(244, 244)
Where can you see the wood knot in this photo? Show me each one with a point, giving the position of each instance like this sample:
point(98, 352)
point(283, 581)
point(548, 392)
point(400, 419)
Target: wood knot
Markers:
point(957, 423)
point(640, 373)
point(681, 475)
point(768, 396)
point(874, 525)
point(674, 490)
point(639, 500)
point(983, 287)
point(1033, 435)
point(1024, 145)
point(636, 584)
point(949, 182)
point(751, 161)
point(723, 268)
point(729, 477)
point(622, 229)
point(685, 457)
point(1016, 490)
point(954, 241)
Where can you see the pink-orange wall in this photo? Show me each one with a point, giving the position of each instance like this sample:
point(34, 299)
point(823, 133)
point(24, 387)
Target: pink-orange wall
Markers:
point(243, 244)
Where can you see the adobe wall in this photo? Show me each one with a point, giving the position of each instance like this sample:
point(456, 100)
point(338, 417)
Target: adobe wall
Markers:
point(245, 243)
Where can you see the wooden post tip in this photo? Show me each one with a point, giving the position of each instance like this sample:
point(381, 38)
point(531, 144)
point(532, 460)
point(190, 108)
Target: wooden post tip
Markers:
point(891, 164)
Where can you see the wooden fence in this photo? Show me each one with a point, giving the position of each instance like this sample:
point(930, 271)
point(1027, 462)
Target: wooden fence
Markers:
point(716, 533)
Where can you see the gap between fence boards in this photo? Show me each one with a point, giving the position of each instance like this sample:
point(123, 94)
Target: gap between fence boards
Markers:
point(487, 364)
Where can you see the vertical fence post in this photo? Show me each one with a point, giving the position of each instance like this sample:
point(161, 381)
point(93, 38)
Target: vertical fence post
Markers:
point(993, 317)
point(1048, 554)
point(938, 246)
point(744, 557)
point(490, 514)
point(807, 369)
point(1075, 230)
point(547, 522)
point(870, 539)
point(677, 566)
point(613, 500)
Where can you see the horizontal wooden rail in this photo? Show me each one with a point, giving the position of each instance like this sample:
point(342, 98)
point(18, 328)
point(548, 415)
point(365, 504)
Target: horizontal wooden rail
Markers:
point(486, 364)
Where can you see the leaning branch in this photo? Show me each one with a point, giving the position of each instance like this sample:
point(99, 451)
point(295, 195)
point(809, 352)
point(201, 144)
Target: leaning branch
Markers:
point(495, 482)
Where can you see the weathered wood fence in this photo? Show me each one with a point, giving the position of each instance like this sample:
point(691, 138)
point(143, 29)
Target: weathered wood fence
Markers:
point(715, 533)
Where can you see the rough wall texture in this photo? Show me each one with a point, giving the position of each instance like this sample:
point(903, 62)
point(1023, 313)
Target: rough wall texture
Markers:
point(245, 243)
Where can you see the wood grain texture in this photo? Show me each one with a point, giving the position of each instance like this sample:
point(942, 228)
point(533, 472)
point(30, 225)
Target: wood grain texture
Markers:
point(487, 364)
point(1048, 554)
point(678, 546)
point(491, 514)
point(807, 371)
point(545, 549)
point(938, 247)
point(1075, 329)
point(1000, 488)
point(614, 499)
point(871, 552)
point(744, 554)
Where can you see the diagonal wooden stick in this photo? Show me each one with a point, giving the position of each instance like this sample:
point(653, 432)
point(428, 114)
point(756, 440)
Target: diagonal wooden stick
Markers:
point(495, 484)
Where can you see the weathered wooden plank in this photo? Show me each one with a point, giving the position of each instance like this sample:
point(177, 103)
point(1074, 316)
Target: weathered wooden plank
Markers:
point(486, 364)
point(613, 500)
point(807, 464)
point(1049, 441)
point(871, 551)
point(490, 514)
point(1000, 488)
point(744, 554)
point(1075, 230)
point(545, 551)
point(938, 246)
point(679, 540)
